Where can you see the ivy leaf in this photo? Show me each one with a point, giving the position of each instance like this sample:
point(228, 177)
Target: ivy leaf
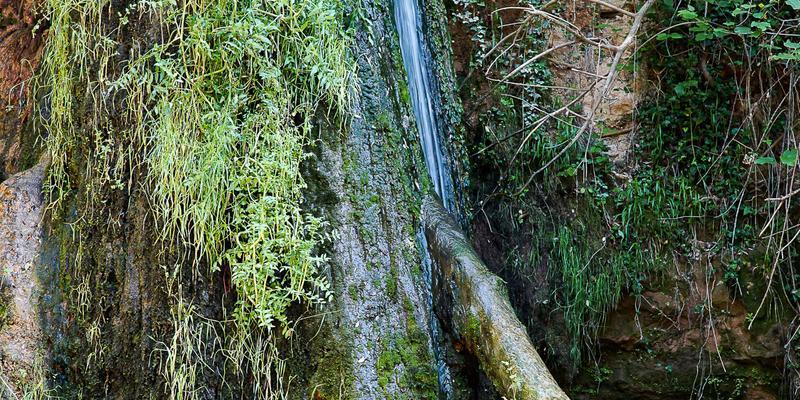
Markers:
point(744, 30)
point(786, 56)
point(703, 36)
point(795, 4)
point(762, 26)
point(789, 158)
point(765, 161)
point(689, 15)
point(673, 35)
point(681, 88)
point(792, 45)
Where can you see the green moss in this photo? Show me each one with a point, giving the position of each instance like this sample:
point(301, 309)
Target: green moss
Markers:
point(388, 359)
point(353, 292)
point(5, 310)
point(408, 306)
point(333, 378)
point(416, 270)
point(473, 326)
point(402, 85)
point(391, 281)
point(383, 122)
point(410, 354)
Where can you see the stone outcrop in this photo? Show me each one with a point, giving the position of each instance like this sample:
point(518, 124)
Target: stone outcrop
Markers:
point(20, 241)
point(688, 335)
point(579, 66)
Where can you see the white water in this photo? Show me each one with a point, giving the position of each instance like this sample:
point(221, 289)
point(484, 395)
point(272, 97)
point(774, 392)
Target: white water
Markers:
point(409, 28)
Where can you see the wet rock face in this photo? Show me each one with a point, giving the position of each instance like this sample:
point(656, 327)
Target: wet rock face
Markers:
point(20, 241)
point(685, 337)
point(375, 342)
point(21, 46)
point(614, 117)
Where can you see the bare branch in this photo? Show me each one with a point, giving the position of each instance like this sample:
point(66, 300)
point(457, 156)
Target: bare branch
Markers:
point(612, 74)
point(537, 57)
point(613, 7)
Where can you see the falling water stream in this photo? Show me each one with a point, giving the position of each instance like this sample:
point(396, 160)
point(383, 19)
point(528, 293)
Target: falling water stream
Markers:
point(409, 28)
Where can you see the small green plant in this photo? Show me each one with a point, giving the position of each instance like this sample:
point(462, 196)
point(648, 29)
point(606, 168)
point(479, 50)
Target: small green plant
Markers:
point(36, 386)
point(194, 340)
point(602, 374)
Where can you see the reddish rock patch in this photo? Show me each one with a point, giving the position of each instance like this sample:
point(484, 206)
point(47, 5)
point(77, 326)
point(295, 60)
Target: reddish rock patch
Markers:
point(21, 47)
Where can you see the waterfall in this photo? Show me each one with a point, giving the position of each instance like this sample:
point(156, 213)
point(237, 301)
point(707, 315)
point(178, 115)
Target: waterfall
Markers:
point(409, 28)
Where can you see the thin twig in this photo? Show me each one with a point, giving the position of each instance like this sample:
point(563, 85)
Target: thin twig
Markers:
point(615, 8)
point(612, 74)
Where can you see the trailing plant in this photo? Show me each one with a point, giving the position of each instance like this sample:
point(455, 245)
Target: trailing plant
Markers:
point(216, 112)
point(193, 345)
point(228, 145)
point(36, 387)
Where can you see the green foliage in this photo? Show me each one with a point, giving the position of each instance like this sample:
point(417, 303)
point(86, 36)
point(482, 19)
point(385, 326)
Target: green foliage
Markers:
point(193, 340)
point(695, 150)
point(35, 385)
point(230, 126)
point(77, 56)
point(217, 113)
point(722, 123)
point(594, 280)
point(473, 326)
point(697, 121)
point(698, 166)
point(599, 249)
point(233, 98)
point(769, 26)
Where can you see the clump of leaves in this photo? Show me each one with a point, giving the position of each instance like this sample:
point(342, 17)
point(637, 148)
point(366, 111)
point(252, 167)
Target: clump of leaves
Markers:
point(231, 100)
point(725, 118)
point(227, 147)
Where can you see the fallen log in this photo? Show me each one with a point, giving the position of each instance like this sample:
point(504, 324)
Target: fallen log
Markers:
point(481, 314)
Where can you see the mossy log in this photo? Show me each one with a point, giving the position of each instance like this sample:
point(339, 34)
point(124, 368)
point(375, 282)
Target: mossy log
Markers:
point(481, 312)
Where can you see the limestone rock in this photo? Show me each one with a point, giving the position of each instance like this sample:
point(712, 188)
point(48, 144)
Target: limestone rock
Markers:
point(21, 208)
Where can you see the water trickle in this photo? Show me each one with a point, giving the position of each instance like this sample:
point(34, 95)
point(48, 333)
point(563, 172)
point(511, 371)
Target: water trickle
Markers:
point(437, 338)
point(409, 28)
